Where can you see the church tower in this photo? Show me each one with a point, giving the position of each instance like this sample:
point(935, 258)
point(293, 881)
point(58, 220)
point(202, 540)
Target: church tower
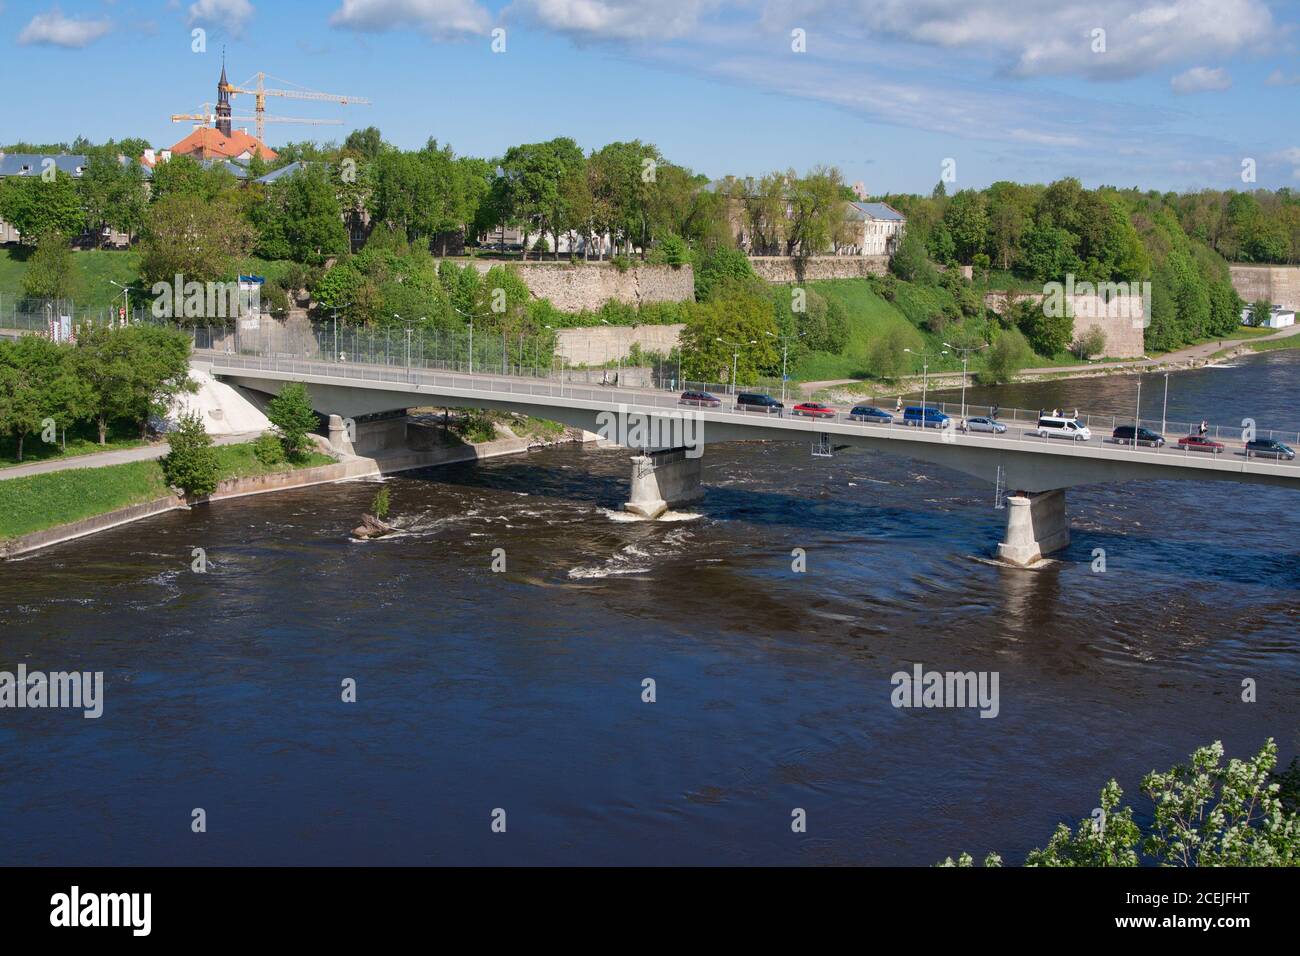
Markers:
point(223, 101)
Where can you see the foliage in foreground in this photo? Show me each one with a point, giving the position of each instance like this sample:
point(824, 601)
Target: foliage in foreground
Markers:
point(1206, 813)
point(294, 418)
point(192, 464)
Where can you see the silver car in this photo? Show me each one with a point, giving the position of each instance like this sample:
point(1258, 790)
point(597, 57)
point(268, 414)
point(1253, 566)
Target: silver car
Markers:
point(983, 424)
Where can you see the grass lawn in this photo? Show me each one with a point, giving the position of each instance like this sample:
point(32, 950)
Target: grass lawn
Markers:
point(870, 317)
point(81, 440)
point(60, 497)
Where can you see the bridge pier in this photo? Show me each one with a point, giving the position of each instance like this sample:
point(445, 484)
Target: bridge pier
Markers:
point(1037, 524)
point(662, 479)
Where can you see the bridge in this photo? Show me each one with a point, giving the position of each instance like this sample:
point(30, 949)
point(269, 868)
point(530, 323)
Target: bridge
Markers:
point(1034, 471)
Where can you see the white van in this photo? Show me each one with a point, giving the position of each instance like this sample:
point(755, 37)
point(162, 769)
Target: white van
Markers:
point(1050, 427)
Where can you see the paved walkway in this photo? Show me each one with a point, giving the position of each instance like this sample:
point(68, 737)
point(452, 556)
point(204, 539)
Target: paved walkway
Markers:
point(104, 459)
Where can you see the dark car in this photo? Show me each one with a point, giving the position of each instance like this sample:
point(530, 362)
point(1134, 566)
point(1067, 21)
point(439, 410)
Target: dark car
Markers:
point(872, 415)
point(1269, 448)
point(813, 410)
point(700, 400)
point(757, 402)
point(1145, 436)
point(1200, 443)
point(932, 416)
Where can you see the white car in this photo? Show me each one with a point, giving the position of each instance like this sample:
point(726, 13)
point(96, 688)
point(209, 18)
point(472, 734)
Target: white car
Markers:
point(983, 424)
point(1051, 427)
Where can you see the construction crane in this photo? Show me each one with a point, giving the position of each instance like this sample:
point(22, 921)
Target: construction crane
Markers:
point(207, 117)
point(257, 89)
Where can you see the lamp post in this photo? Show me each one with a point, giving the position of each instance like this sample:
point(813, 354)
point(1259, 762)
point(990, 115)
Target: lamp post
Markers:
point(925, 377)
point(126, 300)
point(1164, 415)
point(785, 341)
point(735, 359)
point(469, 316)
point(965, 356)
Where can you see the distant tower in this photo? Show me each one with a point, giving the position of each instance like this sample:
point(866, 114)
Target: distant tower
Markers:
point(223, 101)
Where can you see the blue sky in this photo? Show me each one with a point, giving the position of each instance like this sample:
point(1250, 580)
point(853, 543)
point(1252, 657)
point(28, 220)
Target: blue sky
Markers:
point(1174, 94)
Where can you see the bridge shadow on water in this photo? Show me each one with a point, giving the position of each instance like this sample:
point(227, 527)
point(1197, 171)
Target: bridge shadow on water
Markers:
point(950, 519)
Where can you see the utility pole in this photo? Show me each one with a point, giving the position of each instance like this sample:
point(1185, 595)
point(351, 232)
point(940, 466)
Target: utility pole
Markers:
point(735, 359)
point(965, 356)
point(925, 379)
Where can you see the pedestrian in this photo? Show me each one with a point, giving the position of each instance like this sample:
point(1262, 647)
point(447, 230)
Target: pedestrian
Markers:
point(899, 406)
point(1076, 413)
point(1205, 427)
point(993, 414)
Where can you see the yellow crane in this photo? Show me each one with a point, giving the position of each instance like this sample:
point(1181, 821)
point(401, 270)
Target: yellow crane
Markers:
point(257, 88)
point(208, 117)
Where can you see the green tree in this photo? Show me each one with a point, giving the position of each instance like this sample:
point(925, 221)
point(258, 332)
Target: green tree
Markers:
point(32, 387)
point(716, 330)
point(886, 358)
point(36, 206)
point(1008, 355)
point(1092, 342)
point(300, 218)
point(52, 269)
point(1261, 311)
point(294, 419)
point(131, 372)
point(191, 463)
point(1048, 333)
point(199, 240)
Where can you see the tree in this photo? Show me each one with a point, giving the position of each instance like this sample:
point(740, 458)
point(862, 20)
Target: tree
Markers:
point(301, 219)
point(717, 330)
point(113, 191)
point(36, 206)
point(198, 240)
point(1047, 334)
point(191, 463)
point(1009, 354)
point(886, 358)
point(1261, 312)
point(1092, 342)
point(816, 211)
point(294, 419)
point(131, 372)
point(52, 269)
point(184, 176)
point(32, 387)
point(967, 221)
point(910, 262)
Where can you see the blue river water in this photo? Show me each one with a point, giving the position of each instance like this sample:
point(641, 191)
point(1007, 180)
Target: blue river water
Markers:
point(521, 690)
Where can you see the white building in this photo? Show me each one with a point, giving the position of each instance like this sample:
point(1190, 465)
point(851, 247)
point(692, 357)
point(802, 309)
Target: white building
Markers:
point(878, 228)
point(1279, 317)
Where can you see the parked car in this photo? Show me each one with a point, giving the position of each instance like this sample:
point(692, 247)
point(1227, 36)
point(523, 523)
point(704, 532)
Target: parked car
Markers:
point(1052, 427)
point(813, 410)
point(1269, 448)
point(700, 400)
point(932, 416)
point(1145, 436)
point(983, 424)
point(1200, 443)
point(757, 402)
point(871, 414)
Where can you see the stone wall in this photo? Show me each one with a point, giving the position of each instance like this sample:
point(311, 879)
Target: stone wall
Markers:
point(597, 345)
point(1122, 319)
point(589, 285)
point(787, 269)
point(1279, 285)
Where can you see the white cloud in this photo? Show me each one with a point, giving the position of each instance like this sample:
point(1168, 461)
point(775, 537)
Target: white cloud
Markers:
point(1033, 38)
point(231, 15)
point(438, 18)
point(1201, 79)
point(618, 19)
point(54, 29)
point(1278, 78)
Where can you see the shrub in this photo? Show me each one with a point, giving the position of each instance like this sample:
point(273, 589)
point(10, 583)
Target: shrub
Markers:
point(268, 450)
point(1092, 342)
point(1009, 354)
point(293, 417)
point(379, 507)
point(191, 464)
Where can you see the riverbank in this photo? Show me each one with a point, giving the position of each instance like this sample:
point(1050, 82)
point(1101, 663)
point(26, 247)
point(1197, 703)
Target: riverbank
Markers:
point(42, 510)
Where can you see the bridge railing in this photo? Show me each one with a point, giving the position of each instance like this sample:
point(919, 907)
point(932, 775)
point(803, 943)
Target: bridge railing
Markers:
point(1020, 424)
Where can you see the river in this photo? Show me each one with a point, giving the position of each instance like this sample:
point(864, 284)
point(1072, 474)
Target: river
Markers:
point(521, 690)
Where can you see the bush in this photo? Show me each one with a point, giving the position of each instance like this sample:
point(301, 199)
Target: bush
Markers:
point(191, 465)
point(379, 507)
point(1092, 342)
point(1009, 354)
point(268, 450)
point(885, 356)
point(294, 418)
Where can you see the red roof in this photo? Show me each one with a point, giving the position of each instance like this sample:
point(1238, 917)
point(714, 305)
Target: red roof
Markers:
point(207, 142)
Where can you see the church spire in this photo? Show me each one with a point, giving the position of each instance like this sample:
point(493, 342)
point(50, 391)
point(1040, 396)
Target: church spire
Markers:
point(223, 99)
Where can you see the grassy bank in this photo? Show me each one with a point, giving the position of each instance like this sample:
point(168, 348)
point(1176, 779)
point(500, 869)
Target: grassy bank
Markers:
point(83, 439)
point(870, 317)
point(61, 497)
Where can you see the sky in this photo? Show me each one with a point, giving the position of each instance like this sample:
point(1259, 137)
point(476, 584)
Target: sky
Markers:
point(1158, 94)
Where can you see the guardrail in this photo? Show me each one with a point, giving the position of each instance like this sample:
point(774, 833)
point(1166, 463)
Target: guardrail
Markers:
point(1017, 430)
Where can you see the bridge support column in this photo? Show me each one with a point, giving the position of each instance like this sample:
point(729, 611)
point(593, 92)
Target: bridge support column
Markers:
point(339, 440)
point(1037, 524)
point(661, 479)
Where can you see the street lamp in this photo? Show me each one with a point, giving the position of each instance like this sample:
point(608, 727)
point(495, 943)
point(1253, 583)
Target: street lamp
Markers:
point(735, 359)
point(965, 356)
point(126, 300)
point(1164, 415)
point(785, 341)
point(471, 338)
point(925, 377)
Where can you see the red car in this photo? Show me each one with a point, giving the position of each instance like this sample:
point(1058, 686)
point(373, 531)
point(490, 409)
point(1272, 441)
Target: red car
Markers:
point(813, 410)
point(1200, 443)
